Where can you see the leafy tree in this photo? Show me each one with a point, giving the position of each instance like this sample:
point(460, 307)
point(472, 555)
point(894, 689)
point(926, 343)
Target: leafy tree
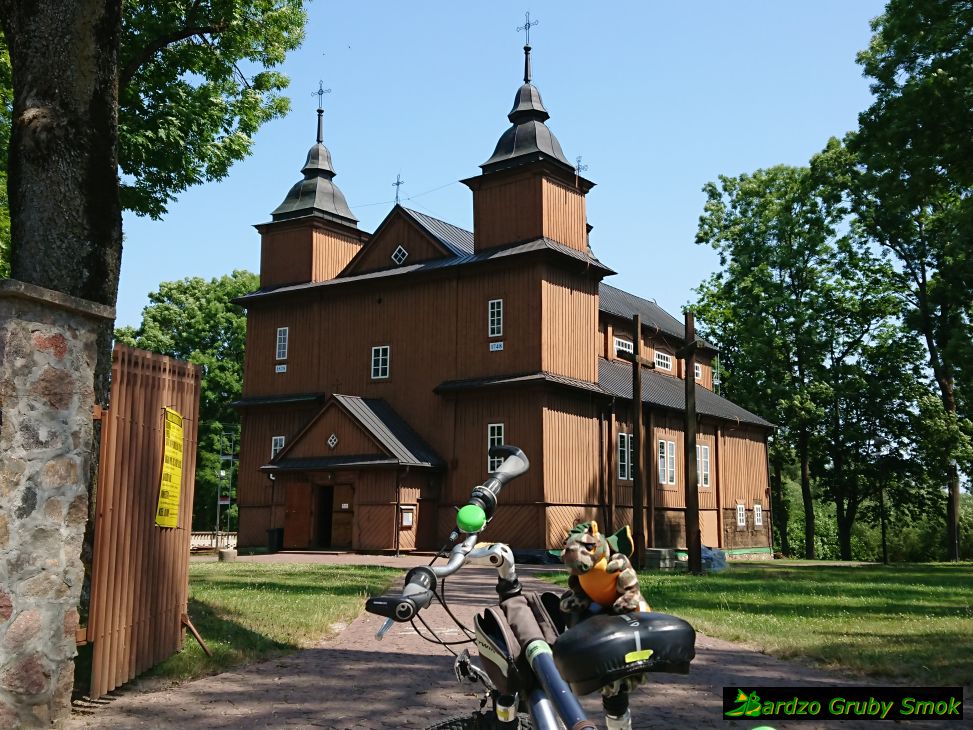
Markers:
point(186, 109)
point(194, 319)
point(912, 193)
point(773, 230)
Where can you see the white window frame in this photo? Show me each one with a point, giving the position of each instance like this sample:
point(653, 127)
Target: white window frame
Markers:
point(624, 345)
point(758, 515)
point(495, 318)
point(276, 445)
point(494, 438)
point(282, 342)
point(741, 516)
point(626, 457)
point(667, 461)
point(702, 465)
point(699, 371)
point(397, 258)
point(663, 360)
point(381, 362)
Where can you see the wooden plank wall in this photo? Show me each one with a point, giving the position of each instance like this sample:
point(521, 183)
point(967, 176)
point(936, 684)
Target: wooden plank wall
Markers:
point(570, 311)
point(399, 231)
point(744, 468)
point(139, 584)
point(565, 220)
point(507, 210)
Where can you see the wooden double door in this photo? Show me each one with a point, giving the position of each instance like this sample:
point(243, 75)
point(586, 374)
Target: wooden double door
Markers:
point(319, 516)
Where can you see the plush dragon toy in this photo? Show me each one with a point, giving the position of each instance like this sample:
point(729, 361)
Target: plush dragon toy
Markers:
point(602, 578)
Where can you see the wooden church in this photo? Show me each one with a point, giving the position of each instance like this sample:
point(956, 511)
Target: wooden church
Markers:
point(381, 366)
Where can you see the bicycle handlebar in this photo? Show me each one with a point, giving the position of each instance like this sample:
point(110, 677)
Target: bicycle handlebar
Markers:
point(420, 583)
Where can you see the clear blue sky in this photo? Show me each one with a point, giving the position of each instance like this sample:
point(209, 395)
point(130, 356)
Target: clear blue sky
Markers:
point(658, 98)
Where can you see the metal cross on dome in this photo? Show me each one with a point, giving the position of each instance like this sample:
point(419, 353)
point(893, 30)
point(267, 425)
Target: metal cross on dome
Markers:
point(320, 94)
point(526, 27)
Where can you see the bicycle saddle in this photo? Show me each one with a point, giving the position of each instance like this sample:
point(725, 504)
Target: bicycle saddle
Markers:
point(602, 649)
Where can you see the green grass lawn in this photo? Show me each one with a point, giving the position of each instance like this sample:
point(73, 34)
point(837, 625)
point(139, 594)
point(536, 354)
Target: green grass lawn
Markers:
point(251, 611)
point(910, 622)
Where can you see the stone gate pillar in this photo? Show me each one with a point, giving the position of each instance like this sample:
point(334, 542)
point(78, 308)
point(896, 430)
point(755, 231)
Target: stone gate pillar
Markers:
point(47, 367)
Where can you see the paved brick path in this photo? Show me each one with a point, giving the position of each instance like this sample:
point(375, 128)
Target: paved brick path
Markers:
point(354, 681)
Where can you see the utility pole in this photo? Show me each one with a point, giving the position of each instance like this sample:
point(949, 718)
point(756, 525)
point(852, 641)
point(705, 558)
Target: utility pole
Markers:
point(643, 531)
point(687, 353)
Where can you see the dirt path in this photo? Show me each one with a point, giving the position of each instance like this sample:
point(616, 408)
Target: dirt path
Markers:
point(354, 681)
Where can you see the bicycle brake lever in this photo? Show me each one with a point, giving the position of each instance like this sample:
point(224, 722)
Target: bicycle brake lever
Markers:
point(380, 634)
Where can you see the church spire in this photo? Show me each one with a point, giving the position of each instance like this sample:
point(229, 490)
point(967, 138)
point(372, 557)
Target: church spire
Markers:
point(317, 194)
point(529, 138)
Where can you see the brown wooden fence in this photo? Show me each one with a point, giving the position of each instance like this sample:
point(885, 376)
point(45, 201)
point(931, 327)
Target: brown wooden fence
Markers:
point(139, 581)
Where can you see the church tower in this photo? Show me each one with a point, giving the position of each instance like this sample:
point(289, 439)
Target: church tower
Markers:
point(528, 189)
point(313, 234)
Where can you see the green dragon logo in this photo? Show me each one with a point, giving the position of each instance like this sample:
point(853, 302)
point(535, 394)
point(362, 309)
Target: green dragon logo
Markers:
point(749, 705)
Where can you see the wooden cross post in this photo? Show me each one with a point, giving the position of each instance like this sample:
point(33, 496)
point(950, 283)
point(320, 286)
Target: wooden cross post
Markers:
point(643, 536)
point(687, 353)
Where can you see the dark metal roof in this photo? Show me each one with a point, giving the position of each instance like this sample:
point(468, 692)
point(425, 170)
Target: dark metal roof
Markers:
point(390, 430)
point(456, 239)
point(274, 400)
point(450, 386)
point(323, 463)
point(622, 304)
point(615, 377)
point(540, 244)
point(316, 194)
point(528, 139)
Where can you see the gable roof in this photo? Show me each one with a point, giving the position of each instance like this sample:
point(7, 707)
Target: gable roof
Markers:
point(402, 445)
point(456, 239)
point(615, 377)
point(622, 304)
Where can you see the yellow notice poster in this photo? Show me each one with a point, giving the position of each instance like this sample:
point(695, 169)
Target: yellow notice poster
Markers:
point(167, 515)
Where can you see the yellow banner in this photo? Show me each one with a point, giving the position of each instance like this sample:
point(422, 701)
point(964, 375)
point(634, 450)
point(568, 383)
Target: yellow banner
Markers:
point(167, 515)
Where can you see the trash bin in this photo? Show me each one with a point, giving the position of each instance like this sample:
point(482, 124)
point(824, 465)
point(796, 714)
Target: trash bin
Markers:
point(275, 539)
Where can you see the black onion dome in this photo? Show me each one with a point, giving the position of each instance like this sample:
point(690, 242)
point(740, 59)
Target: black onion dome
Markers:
point(528, 139)
point(316, 194)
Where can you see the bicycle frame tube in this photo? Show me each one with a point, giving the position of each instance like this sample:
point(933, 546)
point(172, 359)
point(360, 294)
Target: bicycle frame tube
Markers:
point(557, 690)
point(541, 713)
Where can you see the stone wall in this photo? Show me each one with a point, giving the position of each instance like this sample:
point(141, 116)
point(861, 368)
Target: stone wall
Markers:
point(47, 363)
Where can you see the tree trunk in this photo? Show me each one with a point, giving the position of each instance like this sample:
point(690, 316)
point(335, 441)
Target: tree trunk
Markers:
point(803, 450)
point(65, 215)
point(65, 227)
point(846, 515)
point(781, 515)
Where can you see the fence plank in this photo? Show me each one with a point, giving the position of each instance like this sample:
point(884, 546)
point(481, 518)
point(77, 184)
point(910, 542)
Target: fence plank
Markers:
point(140, 571)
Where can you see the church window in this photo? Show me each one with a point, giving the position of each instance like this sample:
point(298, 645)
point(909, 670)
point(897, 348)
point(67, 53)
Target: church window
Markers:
point(282, 343)
point(741, 516)
point(494, 438)
point(399, 255)
point(663, 360)
point(380, 362)
point(702, 465)
point(699, 371)
point(276, 445)
point(623, 345)
point(495, 317)
point(758, 516)
point(667, 462)
point(626, 456)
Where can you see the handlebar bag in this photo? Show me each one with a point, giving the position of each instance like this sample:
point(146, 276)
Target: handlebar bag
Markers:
point(605, 648)
point(502, 632)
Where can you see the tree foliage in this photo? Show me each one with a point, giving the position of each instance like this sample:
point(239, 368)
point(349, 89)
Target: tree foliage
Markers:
point(194, 319)
point(912, 188)
point(196, 81)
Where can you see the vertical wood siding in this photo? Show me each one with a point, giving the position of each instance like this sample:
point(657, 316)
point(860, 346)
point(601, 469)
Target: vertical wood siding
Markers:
point(571, 450)
point(507, 211)
point(570, 315)
point(744, 468)
point(333, 250)
point(352, 440)
point(295, 253)
point(565, 220)
point(139, 583)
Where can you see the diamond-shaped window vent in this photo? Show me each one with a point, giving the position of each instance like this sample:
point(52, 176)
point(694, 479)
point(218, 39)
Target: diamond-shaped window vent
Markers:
point(333, 440)
point(399, 255)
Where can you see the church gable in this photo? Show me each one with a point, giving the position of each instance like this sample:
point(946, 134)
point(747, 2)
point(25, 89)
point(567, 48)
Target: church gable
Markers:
point(334, 426)
point(399, 241)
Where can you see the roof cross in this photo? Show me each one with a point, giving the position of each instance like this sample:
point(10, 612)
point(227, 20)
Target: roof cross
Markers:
point(527, 26)
point(320, 94)
point(398, 183)
point(578, 169)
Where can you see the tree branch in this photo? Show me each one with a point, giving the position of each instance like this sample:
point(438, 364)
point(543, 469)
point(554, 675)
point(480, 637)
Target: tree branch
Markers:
point(161, 42)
